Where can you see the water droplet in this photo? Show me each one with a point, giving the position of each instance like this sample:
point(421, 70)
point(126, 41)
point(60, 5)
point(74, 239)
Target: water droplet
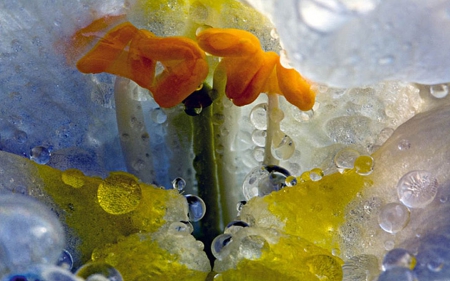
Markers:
point(259, 137)
point(20, 136)
point(396, 274)
point(364, 165)
point(417, 189)
point(404, 145)
point(181, 228)
point(291, 181)
point(302, 116)
point(73, 177)
point(159, 116)
point(316, 174)
point(197, 207)
point(389, 245)
point(119, 193)
point(251, 247)
point(443, 199)
point(398, 258)
point(235, 226)
point(40, 155)
point(439, 91)
point(179, 184)
point(193, 111)
point(384, 135)
point(276, 115)
point(263, 180)
point(219, 244)
point(99, 268)
point(393, 217)
point(435, 265)
point(283, 147)
point(345, 159)
point(258, 154)
point(258, 116)
point(138, 165)
point(274, 33)
point(65, 260)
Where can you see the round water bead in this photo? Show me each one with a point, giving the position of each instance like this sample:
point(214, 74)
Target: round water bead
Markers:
point(158, 116)
point(259, 138)
point(65, 260)
point(364, 165)
point(120, 193)
point(179, 184)
point(345, 159)
point(397, 274)
point(29, 233)
point(439, 91)
point(417, 189)
point(73, 177)
point(393, 217)
point(181, 228)
point(258, 116)
point(291, 181)
point(263, 180)
point(44, 272)
point(40, 155)
point(92, 269)
point(251, 247)
point(404, 145)
point(283, 147)
point(398, 258)
point(197, 207)
point(219, 244)
point(235, 226)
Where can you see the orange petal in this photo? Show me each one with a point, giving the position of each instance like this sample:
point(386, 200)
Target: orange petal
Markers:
point(295, 88)
point(228, 42)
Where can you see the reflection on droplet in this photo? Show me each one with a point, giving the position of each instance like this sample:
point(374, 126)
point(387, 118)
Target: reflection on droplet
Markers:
point(259, 137)
point(345, 159)
point(258, 154)
point(218, 245)
point(20, 136)
point(439, 91)
point(364, 165)
point(291, 181)
point(302, 116)
point(251, 247)
point(179, 184)
point(263, 180)
point(283, 147)
point(316, 174)
point(398, 258)
point(99, 268)
point(181, 228)
point(73, 177)
point(258, 116)
point(65, 260)
point(417, 189)
point(393, 217)
point(235, 226)
point(159, 116)
point(404, 145)
point(197, 207)
point(40, 154)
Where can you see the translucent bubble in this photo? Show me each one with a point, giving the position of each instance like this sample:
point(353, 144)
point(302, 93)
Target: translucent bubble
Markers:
point(389, 245)
point(291, 181)
point(396, 274)
point(235, 226)
point(219, 244)
point(417, 189)
point(258, 116)
point(120, 193)
point(384, 135)
point(398, 258)
point(29, 233)
point(393, 217)
point(345, 159)
point(179, 184)
point(276, 115)
point(302, 116)
point(364, 165)
point(282, 147)
point(20, 136)
point(316, 174)
point(65, 260)
point(263, 180)
point(251, 247)
point(40, 155)
point(99, 268)
point(43, 272)
point(259, 137)
point(181, 228)
point(73, 178)
point(258, 154)
point(158, 116)
point(197, 207)
point(404, 145)
point(439, 91)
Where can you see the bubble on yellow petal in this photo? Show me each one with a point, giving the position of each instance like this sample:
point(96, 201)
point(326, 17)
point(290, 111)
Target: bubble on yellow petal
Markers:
point(364, 165)
point(73, 178)
point(120, 193)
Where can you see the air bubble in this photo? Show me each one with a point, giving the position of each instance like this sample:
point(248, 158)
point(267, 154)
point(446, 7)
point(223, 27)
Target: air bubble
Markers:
point(73, 178)
point(179, 184)
point(263, 180)
point(159, 116)
point(219, 244)
point(197, 207)
point(404, 145)
point(364, 165)
point(282, 147)
point(258, 154)
point(258, 116)
point(20, 136)
point(398, 258)
point(181, 228)
point(439, 91)
point(389, 245)
point(99, 268)
point(393, 217)
point(417, 189)
point(65, 260)
point(259, 137)
point(119, 194)
point(316, 174)
point(40, 155)
point(302, 116)
point(235, 226)
point(345, 159)
point(291, 181)
point(251, 247)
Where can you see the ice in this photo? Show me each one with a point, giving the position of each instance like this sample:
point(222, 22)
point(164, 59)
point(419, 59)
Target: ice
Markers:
point(355, 43)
